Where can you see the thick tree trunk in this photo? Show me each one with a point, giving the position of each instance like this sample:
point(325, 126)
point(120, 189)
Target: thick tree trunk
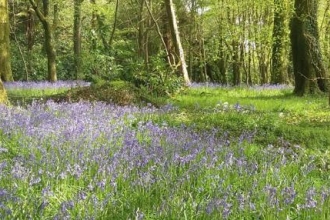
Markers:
point(309, 71)
point(50, 50)
point(168, 41)
point(77, 38)
point(51, 55)
point(5, 65)
point(176, 39)
point(163, 39)
point(277, 69)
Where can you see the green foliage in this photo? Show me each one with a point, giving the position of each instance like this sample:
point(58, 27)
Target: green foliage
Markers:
point(158, 79)
point(10, 147)
point(209, 29)
point(100, 67)
point(21, 62)
point(118, 92)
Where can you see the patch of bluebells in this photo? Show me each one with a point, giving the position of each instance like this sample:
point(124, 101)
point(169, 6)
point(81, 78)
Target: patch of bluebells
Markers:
point(255, 87)
point(75, 160)
point(272, 87)
point(46, 84)
point(208, 85)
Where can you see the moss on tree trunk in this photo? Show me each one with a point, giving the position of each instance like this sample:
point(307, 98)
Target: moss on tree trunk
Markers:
point(277, 68)
point(5, 66)
point(309, 71)
point(3, 94)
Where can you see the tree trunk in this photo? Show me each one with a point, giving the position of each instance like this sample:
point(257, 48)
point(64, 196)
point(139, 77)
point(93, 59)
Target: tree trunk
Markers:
point(263, 65)
point(50, 50)
point(277, 69)
point(141, 30)
point(222, 62)
point(3, 94)
point(163, 39)
point(5, 64)
point(309, 71)
point(176, 39)
point(114, 24)
point(236, 63)
point(93, 27)
point(30, 39)
point(77, 38)
point(56, 20)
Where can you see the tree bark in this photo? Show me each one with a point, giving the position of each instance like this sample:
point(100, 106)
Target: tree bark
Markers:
point(93, 27)
point(176, 39)
point(55, 20)
point(236, 63)
point(30, 39)
point(277, 68)
point(114, 24)
point(77, 38)
point(222, 64)
point(3, 94)
point(309, 71)
point(141, 30)
point(5, 64)
point(163, 39)
point(49, 45)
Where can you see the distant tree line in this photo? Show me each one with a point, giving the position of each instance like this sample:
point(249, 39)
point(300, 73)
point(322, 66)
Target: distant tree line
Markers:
point(161, 41)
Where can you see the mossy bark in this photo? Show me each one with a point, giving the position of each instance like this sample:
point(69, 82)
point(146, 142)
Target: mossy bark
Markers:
point(278, 69)
point(3, 94)
point(5, 65)
point(309, 71)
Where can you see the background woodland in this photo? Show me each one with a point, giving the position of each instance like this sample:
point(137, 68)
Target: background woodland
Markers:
point(226, 42)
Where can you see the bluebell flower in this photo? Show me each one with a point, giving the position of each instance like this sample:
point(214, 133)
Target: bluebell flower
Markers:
point(310, 199)
point(271, 192)
point(289, 194)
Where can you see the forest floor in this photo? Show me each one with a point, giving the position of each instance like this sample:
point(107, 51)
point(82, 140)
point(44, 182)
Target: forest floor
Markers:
point(272, 113)
point(209, 152)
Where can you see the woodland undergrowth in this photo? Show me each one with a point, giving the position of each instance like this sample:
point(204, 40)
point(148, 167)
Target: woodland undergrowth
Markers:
point(208, 152)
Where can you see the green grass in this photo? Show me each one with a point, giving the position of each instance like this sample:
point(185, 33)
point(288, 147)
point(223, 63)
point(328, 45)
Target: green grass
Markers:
point(37, 93)
point(26, 96)
point(194, 190)
point(276, 115)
